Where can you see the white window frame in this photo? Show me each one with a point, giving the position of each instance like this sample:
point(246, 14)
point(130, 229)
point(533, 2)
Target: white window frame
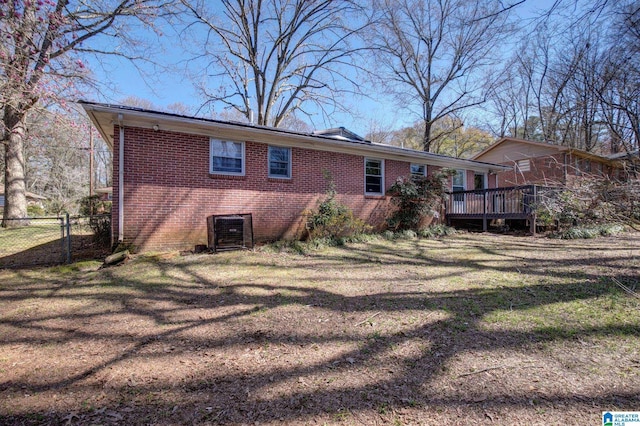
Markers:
point(381, 176)
point(463, 173)
point(221, 172)
point(289, 163)
point(415, 175)
point(484, 180)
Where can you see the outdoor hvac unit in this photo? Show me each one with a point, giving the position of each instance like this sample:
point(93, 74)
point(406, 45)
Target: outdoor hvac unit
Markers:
point(230, 232)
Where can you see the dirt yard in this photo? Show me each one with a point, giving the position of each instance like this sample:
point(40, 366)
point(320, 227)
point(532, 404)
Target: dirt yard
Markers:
point(471, 329)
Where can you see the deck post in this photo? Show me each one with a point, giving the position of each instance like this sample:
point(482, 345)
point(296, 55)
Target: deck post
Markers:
point(484, 210)
point(532, 212)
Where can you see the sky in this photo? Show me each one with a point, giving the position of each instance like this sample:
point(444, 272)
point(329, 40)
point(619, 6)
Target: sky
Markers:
point(163, 87)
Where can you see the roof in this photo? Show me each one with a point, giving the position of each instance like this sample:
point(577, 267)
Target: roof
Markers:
point(27, 194)
point(559, 148)
point(624, 155)
point(340, 133)
point(106, 116)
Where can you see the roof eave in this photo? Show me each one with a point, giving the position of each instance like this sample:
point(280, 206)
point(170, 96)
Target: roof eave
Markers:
point(105, 117)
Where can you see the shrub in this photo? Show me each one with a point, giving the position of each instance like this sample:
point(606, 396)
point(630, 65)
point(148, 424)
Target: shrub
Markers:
point(101, 227)
point(436, 231)
point(417, 198)
point(408, 234)
point(334, 220)
point(578, 232)
point(99, 206)
point(389, 235)
point(35, 211)
point(611, 230)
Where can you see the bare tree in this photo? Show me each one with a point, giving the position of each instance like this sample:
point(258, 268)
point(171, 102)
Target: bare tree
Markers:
point(41, 43)
point(269, 59)
point(435, 53)
point(619, 86)
point(574, 80)
point(57, 160)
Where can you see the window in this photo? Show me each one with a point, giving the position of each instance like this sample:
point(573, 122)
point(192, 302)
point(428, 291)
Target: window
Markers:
point(578, 167)
point(373, 177)
point(479, 181)
point(418, 171)
point(227, 158)
point(458, 181)
point(279, 162)
point(523, 165)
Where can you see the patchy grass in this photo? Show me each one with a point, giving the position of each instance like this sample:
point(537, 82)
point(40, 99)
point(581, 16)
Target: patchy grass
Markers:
point(470, 329)
point(13, 240)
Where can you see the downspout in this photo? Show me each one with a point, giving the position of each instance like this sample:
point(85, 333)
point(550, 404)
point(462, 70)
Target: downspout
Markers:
point(120, 180)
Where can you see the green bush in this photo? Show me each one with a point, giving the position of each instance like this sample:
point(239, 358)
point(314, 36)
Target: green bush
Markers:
point(389, 235)
point(408, 234)
point(611, 230)
point(436, 231)
point(334, 220)
point(35, 211)
point(579, 232)
point(417, 198)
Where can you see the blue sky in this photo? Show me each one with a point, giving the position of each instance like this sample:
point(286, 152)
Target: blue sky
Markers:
point(163, 87)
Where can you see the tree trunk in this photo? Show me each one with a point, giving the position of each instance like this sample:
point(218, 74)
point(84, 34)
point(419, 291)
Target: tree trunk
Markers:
point(426, 136)
point(15, 200)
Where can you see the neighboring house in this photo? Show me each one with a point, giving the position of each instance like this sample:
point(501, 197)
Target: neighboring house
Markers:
point(545, 164)
point(171, 172)
point(628, 161)
point(105, 194)
point(32, 199)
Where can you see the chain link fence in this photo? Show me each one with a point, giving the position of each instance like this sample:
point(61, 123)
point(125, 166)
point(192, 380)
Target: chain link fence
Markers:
point(53, 240)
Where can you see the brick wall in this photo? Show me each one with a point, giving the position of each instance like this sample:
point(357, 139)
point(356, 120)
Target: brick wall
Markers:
point(555, 170)
point(169, 193)
point(545, 170)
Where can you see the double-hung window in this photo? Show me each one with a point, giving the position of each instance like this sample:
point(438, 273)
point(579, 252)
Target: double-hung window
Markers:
point(373, 176)
point(227, 157)
point(279, 162)
point(418, 171)
point(458, 181)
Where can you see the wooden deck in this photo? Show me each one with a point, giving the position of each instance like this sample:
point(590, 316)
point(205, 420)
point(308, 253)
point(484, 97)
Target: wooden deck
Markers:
point(518, 202)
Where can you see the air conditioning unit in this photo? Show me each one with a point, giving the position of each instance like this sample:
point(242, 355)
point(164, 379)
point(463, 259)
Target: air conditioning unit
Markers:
point(230, 232)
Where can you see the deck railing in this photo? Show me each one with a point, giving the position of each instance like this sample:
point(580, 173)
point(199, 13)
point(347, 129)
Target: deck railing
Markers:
point(517, 202)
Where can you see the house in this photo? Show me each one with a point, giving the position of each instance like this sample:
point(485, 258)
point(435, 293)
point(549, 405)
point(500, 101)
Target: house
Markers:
point(32, 199)
point(104, 194)
point(545, 164)
point(628, 161)
point(171, 172)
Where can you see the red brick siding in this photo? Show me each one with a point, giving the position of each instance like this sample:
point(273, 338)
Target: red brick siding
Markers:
point(551, 171)
point(546, 170)
point(168, 191)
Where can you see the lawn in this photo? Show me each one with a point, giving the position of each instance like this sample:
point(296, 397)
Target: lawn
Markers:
point(470, 329)
point(41, 243)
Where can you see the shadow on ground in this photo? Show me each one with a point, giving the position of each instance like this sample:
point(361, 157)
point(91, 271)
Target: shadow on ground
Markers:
point(413, 334)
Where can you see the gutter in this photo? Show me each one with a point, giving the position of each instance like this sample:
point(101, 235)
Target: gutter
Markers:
point(120, 179)
point(274, 136)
